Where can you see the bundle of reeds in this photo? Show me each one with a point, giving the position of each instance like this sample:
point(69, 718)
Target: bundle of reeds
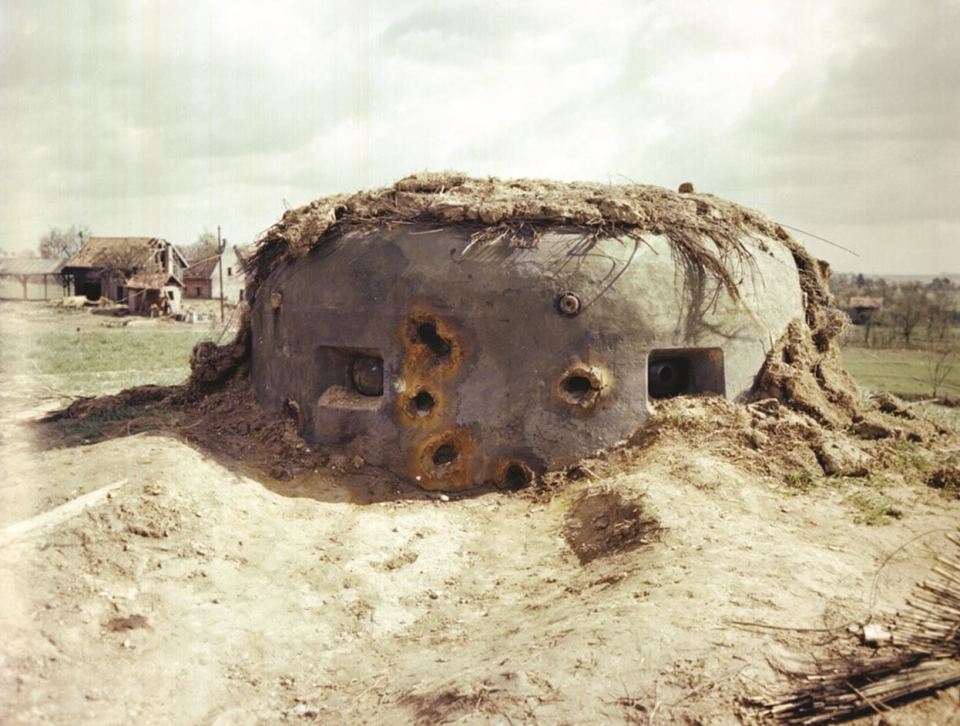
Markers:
point(926, 659)
point(931, 623)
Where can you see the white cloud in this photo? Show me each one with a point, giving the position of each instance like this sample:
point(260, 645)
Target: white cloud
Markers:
point(168, 118)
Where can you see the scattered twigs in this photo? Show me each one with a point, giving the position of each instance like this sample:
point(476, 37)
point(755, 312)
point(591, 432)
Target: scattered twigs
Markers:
point(874, 591)
point(927, 637)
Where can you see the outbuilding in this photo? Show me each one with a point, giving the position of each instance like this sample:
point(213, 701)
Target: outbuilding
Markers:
point(31, 278)
point(102, 266)
point(863, 309)
point(202, 278)
point(154, 294)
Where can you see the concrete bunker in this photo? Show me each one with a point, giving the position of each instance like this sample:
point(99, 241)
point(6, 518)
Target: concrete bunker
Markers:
point(458, 349)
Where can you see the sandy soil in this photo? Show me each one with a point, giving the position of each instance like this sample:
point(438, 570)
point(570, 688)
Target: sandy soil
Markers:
point(200, 591)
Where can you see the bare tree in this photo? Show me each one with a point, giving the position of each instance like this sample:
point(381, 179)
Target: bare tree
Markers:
point(204, 247)
point(941, 314)
point(939, 368)
point(61, 244)
point(908, 310)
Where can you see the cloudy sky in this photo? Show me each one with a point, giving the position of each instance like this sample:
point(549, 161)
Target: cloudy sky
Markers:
point(165, 119)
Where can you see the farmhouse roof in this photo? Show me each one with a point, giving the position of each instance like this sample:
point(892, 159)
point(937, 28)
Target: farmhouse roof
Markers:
point(152, 281)
point(867, 303)
point(201, 269)
point(103, 251)
point(29, 266)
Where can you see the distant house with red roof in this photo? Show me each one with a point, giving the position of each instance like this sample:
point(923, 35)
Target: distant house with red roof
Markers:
point(202, 278)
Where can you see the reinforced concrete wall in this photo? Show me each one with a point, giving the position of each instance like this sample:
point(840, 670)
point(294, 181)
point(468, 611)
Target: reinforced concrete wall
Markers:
point(455, 364)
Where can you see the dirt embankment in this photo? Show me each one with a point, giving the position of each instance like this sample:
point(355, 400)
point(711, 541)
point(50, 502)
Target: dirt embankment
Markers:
point(661, 580)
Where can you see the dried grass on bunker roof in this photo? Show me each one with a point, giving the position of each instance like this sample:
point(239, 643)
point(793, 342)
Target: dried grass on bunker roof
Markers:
point(706, 233)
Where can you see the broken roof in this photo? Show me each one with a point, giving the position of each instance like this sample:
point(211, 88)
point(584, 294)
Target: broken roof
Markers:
point(152, 281)
point(866, 302)
point(29, 266)
point(105, 251)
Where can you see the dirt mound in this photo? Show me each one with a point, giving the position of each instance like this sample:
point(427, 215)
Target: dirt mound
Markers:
point(804, 370)
point(603, 522)
point(149, 517)
point(138, 397)
point(230, 423)
point(765, 437)
point(212, 366)
point(225, 421)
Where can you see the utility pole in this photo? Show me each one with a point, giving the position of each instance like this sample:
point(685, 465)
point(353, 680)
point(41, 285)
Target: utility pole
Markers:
point(221, 244)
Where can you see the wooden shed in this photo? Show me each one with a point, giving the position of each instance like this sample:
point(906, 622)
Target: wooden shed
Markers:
point(31, 278)
point(202, 278)
point(154, 293)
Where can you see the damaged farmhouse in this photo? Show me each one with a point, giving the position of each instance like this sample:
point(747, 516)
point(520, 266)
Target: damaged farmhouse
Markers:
point(462, 332)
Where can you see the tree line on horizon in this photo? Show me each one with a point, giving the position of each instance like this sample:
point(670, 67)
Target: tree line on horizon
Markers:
point(905, 307)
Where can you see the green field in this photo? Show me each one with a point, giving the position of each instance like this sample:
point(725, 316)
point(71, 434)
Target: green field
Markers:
point(97, 351)
point(902, 372)
point(68, 353)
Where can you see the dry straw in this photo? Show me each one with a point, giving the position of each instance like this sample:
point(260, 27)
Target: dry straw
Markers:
point(926, 658)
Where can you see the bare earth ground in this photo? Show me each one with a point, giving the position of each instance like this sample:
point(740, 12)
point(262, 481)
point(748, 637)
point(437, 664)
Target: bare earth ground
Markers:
point(200, 591)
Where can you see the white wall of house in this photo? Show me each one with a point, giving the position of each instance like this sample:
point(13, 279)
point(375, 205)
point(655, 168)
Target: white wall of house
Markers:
point(233, 280)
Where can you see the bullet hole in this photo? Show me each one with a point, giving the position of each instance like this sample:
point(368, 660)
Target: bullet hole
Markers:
point(367, 375)
point(423, 403)
point(276, 300)
point(568, 304)
point(577, 385)
point(581, 387)
point(445, 460)
point(517, 475)
point(427, 335)
point(445, 454)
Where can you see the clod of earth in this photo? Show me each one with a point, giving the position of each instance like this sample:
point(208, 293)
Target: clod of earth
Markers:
point(946, 478)
point(123, 624)
point(603, 522)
